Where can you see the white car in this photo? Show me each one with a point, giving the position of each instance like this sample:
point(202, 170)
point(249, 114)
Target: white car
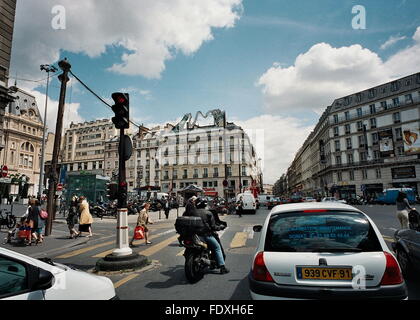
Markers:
point(332, 199)
point(309, 199)
point(323, 251)
point(25, 278)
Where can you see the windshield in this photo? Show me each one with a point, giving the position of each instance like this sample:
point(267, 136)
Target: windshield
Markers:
point(321, 232)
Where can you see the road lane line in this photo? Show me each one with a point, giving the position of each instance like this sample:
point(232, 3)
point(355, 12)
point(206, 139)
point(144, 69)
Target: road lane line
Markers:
point(239, 240)
point(181, 253)
point(157, 247)
point(84, 250)
point(105, 253)
point(389, 239)
point(125, 280)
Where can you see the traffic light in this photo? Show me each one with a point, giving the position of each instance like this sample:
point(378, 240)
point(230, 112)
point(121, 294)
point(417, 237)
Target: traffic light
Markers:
point(121, 109)
point(122, 195)
point(112, 191)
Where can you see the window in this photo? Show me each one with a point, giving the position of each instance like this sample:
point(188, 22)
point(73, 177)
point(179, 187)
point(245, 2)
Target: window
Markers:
point(350, 159)
point(338, 160)
point(373, 123)
point(347, 129)
point(400, 151)
point(372, 93)
point(336, 131)
point(395, 86)
point(337, 145)
point(376, 155)
point(359, 97)
point(339, 176)
point(347, 115)
point(398, 134)
point(215, 172)
point(244, 171)
point(13, 277)
point(229, 171)
point(298, 232)
point(396, 102)
point(363, 156)
point(359, 126)
point(215, 184)
point(375, 138)
point(348, 143)
point(351, 175)
point(361, 141)
point(335, 118)
point(384, 105)
point(378, 173)
point(372, 109)
point(364, 174)
point(397, 117)
point(408, 98)
point(359, 112)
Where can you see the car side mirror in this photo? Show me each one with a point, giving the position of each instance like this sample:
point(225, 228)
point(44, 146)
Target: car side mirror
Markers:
point(44, 281)
point(257, 228)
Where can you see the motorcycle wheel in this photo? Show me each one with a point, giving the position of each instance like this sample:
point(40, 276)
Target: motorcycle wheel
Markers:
point(193, 271)
point(11, 222)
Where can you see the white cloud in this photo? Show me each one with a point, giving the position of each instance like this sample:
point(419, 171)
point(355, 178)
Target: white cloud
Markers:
point(277, 141)
point(391, 41)
point(150, 31)
point(325, 73)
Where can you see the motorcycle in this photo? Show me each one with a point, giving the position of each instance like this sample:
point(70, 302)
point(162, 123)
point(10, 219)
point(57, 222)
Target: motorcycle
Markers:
point(198, 256)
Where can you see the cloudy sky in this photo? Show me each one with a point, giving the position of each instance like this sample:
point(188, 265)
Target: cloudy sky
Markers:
point(273, 65)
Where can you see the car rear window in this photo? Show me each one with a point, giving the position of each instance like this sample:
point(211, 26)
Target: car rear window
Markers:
point(329, 231)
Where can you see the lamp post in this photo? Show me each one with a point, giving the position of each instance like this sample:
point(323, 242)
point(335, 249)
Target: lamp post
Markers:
point(47, 68)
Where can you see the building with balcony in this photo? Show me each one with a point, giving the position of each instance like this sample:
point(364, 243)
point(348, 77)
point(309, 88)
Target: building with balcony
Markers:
point(364, 143)
point(7, 21)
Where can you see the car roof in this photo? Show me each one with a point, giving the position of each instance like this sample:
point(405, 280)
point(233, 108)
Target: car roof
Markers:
point(313, 205)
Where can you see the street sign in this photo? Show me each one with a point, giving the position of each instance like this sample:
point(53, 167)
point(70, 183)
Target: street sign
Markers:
point(4, 171)
point(59, 187)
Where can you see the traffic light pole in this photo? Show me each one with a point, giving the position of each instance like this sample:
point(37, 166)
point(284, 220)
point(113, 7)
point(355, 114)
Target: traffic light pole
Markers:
point(123, 247)
point(52, 187)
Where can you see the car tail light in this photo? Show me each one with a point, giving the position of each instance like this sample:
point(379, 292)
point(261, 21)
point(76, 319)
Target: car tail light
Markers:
point(260, 271)
point(315, 210)
point(392, 273)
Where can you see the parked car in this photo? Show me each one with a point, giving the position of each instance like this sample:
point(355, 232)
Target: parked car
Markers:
point(264, 199)
point(309, 199)
point(332, 199)
point(407, 246)
point(273, 202)
point(316, 250)
point(26, 278)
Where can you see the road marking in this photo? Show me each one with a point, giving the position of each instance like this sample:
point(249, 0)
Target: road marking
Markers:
point(153, 249)
point(125, 280)
point(84, 250)
point(249, 230)
point(105, 253)
point(239, 240)
point(181, 253)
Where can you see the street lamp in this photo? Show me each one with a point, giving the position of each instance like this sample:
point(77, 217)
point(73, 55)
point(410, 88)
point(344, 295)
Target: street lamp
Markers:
point(47, 68)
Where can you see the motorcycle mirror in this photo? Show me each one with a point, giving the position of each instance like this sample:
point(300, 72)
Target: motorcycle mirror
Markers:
point(257, 228)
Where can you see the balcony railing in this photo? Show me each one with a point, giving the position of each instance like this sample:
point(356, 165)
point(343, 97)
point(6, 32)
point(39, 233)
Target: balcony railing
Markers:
point(215, 175)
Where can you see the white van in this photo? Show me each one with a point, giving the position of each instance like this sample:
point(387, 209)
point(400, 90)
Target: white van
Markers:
point(249, 202)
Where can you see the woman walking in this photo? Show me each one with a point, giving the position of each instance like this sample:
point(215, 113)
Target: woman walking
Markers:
point(33, 214)
point(143, 220)
point(86, 220)
point(73, 218)
point(403, 208)
point(41, 222)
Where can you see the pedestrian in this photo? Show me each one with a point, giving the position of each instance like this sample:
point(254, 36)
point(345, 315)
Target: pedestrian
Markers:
point(86, 220)
point(142, 221)
point(32, 220)
point(41, 222)
point(73, 218)
point(166, 207)
point(240, 206)
point(403, 208)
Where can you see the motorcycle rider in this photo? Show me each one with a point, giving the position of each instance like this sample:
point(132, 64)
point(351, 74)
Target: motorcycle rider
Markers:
point(207, 235)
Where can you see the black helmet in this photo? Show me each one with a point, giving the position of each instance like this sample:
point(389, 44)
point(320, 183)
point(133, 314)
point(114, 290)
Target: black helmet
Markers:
point(201, 203)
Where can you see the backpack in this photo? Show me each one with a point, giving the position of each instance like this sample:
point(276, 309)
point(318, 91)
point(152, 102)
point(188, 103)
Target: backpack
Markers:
point(43, 214)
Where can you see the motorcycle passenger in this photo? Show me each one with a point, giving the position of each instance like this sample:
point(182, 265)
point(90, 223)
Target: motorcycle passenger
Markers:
point(207, 235)
point(190, 209)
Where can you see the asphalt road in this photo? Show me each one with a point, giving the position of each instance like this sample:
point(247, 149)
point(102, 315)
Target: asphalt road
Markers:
point(164, 279)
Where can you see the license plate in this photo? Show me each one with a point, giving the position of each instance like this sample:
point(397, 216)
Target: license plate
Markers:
point(324, 273)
